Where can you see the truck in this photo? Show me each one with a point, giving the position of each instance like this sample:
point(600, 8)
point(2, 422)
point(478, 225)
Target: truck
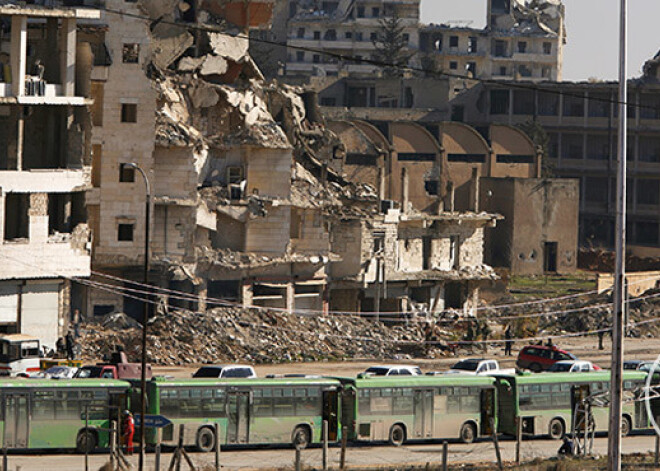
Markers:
point(479, 366)
point(118, 368)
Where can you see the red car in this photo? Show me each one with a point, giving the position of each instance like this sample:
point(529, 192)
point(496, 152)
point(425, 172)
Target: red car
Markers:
point(540, 357)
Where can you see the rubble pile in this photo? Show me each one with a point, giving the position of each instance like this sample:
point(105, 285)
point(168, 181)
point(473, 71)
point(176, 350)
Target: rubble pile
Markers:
point(254, 336)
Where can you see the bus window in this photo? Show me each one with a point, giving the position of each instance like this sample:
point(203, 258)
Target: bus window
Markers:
point(364, 401)
point(470, 403)
point(43, 405)
point(402, 404)
point(282, 402)
point(262, 405)
point(169, 403)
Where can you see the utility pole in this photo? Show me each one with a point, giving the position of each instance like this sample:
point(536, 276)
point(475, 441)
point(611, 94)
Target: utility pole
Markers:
point(616, 386)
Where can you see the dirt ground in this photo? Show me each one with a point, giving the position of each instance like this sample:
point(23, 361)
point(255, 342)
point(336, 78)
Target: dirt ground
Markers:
point(585, 348)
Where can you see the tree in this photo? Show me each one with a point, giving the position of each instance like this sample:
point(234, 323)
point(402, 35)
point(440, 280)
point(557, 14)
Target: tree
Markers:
point(391, 45)
point(540, 138)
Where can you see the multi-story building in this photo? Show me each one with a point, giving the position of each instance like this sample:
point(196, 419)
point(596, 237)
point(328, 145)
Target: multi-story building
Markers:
point(521, 41)
point(45, 163)
point(344, 27)
point(580, 119)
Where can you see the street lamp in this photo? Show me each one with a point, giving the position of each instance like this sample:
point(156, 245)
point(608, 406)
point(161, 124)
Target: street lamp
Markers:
point(145, 314)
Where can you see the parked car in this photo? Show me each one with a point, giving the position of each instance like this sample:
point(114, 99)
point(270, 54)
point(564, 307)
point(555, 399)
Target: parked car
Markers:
point(478, 366)
point(393, 370)
point(572, 366)
point(637, 365)
point(225, 371)
point(540, 357)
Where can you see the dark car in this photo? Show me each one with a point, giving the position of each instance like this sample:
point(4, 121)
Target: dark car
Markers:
point(540, 357)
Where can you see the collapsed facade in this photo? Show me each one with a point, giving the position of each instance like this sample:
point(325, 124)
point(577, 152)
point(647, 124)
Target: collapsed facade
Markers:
point(44, 91)
point(523, 39)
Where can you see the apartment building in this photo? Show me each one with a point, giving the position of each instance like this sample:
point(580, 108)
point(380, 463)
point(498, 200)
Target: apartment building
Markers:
point(522, 40)
point(580, 119)
point(45, 162)
point(345, 27)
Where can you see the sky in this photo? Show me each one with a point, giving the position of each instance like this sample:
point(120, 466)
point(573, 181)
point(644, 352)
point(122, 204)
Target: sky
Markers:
point(592, 33)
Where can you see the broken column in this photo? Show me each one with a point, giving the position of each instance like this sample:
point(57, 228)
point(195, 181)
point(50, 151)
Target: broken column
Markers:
point(474, 194)
point(451, 193)
point(404, 190)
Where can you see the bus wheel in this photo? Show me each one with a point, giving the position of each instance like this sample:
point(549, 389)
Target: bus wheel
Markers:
point(86, 441)
point(397, 435)
point(301, 437)
point(205, 440)
point(626, 426)
point(556, 429)
point(468, 433)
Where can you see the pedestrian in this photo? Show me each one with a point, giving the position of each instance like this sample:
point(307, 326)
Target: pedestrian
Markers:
point(485, 333)
point(75, 321)
point(68, 340)
point(60, 346)
point(508, 335)
point(128, 431)
point(549, 343)
point(469, 335)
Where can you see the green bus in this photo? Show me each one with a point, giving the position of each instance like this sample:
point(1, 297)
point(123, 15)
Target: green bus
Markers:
point(545, 402)
point(247, 411)
point(397, 409)
point(46, 413)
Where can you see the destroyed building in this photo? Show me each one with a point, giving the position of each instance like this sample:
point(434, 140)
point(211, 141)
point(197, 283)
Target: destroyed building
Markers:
point(416, 251)
point(46, 169)
point(522, 40)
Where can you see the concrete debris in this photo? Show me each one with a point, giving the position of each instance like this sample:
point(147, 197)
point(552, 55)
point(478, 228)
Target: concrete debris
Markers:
point(190, 64)
point(202, 95)
point(228, 47)
point(119, 321)
point(214, 65)
point(232, 260)
point(168, 43)
point(159, 9)
point(231, 334)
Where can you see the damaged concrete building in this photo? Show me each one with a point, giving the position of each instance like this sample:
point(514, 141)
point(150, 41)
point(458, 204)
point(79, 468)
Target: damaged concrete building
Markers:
point(45, 147)
point(417, 251)
point(522, 40)
point(343, 27)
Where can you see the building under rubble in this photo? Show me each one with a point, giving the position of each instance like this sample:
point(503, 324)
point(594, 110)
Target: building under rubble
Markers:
point(45, 136)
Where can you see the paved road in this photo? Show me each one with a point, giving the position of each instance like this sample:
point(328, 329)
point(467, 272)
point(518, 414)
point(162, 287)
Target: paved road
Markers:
point(482, 451)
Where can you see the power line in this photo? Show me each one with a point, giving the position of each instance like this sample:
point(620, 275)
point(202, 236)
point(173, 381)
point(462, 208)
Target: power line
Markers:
point(377, 63)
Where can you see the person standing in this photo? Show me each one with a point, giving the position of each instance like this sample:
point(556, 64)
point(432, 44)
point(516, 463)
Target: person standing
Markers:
point(69, 346)
point(508, 343)
point(128, 431)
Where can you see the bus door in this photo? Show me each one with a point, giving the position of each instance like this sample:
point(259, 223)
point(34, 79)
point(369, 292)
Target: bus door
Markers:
point(423, 408)
point(487, 411)
point(580, 392)
point(16, 413)
point(331, 412)
point(238, 416)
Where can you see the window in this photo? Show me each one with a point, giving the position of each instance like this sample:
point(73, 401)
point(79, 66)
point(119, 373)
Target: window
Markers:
point(648, 191)
point(522, 47)
point(500, 48)
point(595, 190)
point(573, 104)
point(128, 113)
point(502, 70)
point(453, 65)
point(316, 58)
point(373, 36)
point(300, 56)
point(572, 146)
point(126, 174)
point(406, 38)
point(330, 35)
point(646, 233)
point(547, 48)
point(548, 104)
point(453, 41)
point(598, 147)
point(546, 72)
point(431, 187)
point(301, 33)
point(375, 12)
point(317, 35)
point(295, 230)
point(131, 53)
point(524, 70)
point(361, 159)
point(416, 157)
point(499, 102)
point(649, 149)
point(523, 102)
point(472, 45)
point(360, 12)
point(358, 36)
point(471, 68)
point(458, 113)
point(468, 158)
point(125, 232)
point(348, 35)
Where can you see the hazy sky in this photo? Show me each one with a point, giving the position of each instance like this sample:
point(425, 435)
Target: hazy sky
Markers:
point(593, 32)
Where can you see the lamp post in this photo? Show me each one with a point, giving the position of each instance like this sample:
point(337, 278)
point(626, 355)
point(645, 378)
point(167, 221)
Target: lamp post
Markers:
point(145, 314)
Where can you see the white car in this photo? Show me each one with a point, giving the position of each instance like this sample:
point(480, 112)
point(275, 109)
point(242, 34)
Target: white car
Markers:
point(478, 366)
point(225, 371)
point(572, 366)
point(393, 370)
point(56, 372)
